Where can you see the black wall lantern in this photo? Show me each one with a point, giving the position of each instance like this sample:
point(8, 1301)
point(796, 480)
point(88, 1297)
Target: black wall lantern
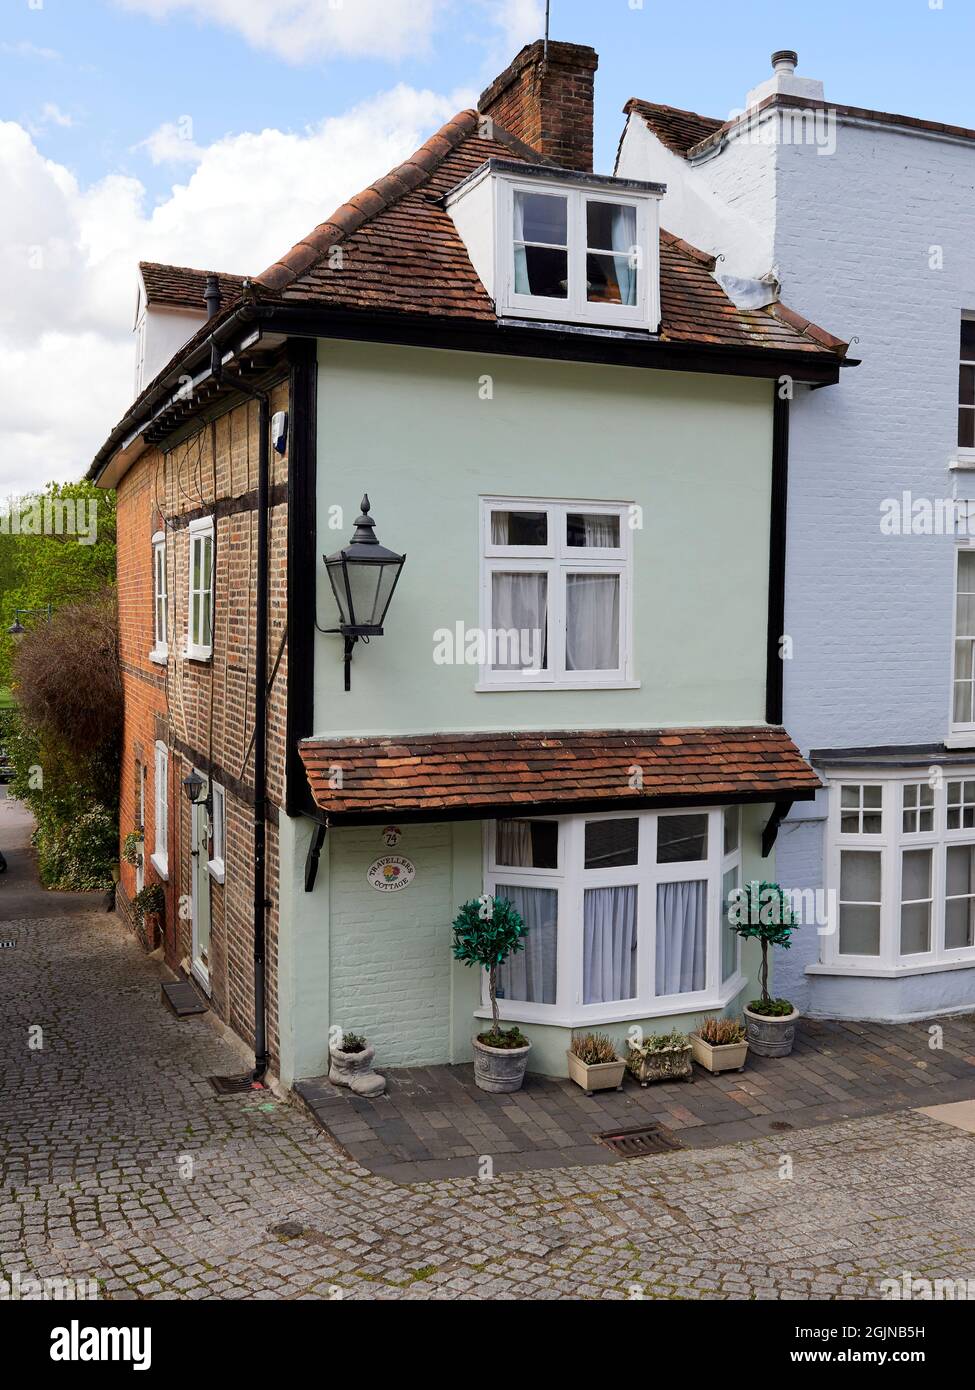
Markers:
point(196, 789)
point(363, 576)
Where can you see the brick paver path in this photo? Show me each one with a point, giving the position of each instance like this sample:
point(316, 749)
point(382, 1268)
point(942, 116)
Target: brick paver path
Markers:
point(120, 1163)
point(433, 1122)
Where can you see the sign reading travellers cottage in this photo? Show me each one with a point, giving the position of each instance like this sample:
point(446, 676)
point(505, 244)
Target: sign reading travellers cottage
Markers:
point(391, 873)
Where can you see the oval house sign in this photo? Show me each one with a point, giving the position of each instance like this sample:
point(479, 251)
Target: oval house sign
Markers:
point(391, 873)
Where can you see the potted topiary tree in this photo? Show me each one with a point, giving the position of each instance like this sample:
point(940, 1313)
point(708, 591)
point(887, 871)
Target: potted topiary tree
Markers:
point(486, 932)
point(761, 911)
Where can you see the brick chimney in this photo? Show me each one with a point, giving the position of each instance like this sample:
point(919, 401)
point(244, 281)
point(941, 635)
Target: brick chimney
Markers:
point(547, 101)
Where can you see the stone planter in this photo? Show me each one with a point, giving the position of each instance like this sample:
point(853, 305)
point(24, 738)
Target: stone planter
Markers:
point(770, 1036)
point(354, 1070)
point(596, 1076)
point(726, 1057)
point(672, 1064)
point(499, 1069)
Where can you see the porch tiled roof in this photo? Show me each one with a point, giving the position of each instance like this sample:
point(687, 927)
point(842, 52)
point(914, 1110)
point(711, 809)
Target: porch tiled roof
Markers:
point(442, 776)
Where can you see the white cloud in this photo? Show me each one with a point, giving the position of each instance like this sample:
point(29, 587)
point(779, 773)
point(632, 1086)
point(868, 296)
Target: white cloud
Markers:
point(172, 143)
point(51, 114)
point(304, 30)
point(68, 257)
point(520, 22)
point(31, 50)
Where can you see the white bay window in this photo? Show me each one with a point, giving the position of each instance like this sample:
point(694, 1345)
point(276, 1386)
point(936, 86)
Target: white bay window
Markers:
point(902, 872)
point(626, 913)
point(555, 594)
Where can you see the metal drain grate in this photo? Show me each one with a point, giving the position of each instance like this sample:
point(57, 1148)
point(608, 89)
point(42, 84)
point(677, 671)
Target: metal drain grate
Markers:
point(235, 1085)
point(6, 945)
point(781, 1124)
point(645, 1139)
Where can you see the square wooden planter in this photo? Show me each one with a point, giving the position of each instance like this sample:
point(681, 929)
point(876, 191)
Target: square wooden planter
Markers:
point(598, 1076)
point(729, 1057)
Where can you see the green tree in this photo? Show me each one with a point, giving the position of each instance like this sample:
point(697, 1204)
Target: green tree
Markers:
point(761, 911)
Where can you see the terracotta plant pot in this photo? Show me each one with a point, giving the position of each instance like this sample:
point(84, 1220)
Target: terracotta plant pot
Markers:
point(499, 1069)
point(596, 1076)
point(726, 1057)
point(771, 1036)
point(672, 1064)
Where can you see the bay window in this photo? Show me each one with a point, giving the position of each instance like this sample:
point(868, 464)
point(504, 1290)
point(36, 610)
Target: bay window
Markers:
point(626, 913)
point(555, 589)
point(902, 872)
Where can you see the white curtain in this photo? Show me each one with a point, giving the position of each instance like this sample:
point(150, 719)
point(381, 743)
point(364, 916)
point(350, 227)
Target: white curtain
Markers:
point(682, 919)
point(499, 528)
point(522, 283)
point(601, 531)
point(609, 945)
point(624, 242)
point(514, 843)
point(530, 975)
point(520, 605)
point(592, 622)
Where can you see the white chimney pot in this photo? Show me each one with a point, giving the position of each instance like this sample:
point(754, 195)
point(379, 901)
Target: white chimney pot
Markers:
point(784, 82)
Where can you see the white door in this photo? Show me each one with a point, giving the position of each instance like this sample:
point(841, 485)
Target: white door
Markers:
point(200, 852)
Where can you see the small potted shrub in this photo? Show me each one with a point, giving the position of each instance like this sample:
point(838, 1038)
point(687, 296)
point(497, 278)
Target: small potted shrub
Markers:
point(350, 1064)
point(148, 906)
point(762, 911)
point(486, 932)
point(660, 1057)
point(594, 1063)
point(721, 1044)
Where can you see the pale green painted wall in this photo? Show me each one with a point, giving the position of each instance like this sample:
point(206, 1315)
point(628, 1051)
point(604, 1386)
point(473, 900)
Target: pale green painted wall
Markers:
point(391, 973)
point(694, 451)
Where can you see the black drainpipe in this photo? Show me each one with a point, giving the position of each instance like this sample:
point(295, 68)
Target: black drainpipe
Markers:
point(261, 901)
point(211, 296)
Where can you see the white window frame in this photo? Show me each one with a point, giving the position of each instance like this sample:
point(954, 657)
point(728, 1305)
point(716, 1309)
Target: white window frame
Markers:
point(571, 880)
point(962, 734)
point(160, 594)
point(160, 854)
point(964, 454)
point(218, 833)
point(557, 559)
point(576, 308)
point(199, 531)
point(890, 844)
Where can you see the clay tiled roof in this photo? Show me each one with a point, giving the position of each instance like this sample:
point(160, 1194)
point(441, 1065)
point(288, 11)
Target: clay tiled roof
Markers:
point(182, 288)
point(676, 129)
point(401, 252)
point(445, 776)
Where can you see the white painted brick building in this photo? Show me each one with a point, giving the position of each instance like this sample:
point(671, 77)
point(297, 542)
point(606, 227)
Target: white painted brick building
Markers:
point(867, 222)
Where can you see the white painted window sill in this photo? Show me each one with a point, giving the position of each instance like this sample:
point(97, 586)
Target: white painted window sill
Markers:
point(160, 656)
point(962, 740)
point(217, 870)
point(193, 653)
point(486, 687)
point(892, 972)
point(963, 459)
point(626, 1011)
point(160, 863)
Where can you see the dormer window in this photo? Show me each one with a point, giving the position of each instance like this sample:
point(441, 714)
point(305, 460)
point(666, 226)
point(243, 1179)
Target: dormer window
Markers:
point(565, 248)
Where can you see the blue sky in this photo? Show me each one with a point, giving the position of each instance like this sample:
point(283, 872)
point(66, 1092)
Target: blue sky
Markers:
point(120, 74)
point(216, 133)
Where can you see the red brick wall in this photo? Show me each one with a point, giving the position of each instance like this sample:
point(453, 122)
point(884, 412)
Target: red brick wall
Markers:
point(208, 707)
point(548, 102)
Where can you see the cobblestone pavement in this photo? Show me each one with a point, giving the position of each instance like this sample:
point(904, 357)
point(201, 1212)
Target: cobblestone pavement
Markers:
point(120, 1163)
